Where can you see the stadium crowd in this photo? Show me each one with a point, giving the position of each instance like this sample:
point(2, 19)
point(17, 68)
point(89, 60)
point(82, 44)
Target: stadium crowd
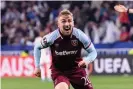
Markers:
point(23, 21)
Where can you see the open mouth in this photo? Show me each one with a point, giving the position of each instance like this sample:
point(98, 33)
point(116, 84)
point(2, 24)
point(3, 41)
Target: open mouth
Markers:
point(67, 28)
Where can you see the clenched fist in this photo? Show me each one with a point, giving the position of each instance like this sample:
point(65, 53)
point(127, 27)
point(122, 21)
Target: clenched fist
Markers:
point(82, 64)
point(37, 72)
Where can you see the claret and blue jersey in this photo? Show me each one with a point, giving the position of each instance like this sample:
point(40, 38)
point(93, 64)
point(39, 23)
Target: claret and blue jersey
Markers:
point(66, 50)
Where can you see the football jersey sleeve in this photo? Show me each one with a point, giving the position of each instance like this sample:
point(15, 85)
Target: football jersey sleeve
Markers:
point(82, 38)
point(87, 45)
point(46, 41)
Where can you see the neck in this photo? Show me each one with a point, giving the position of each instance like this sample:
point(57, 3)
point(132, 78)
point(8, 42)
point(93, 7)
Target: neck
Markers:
point(65, 36)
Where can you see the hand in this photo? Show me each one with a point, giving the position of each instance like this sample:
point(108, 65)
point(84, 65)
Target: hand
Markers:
point(120, 8)
point(82, 64)
point(37, 72)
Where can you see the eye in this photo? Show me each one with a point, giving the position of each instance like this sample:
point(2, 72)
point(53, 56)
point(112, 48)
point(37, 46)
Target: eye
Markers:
point(69, 20)
point(63, 21)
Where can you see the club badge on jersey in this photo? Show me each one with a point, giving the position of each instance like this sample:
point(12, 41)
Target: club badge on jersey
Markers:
point(74, 42)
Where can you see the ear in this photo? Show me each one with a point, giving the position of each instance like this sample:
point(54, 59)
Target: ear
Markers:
point(57, 22)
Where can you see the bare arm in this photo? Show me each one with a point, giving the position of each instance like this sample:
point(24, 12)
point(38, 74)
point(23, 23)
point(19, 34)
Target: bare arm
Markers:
point(122, 8)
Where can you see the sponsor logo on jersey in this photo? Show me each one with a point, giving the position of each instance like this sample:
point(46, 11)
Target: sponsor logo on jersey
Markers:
point(66, 52)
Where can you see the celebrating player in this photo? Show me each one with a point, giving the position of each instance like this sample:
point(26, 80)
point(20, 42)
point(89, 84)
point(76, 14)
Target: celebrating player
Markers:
point(66, 43)
point(122, 8)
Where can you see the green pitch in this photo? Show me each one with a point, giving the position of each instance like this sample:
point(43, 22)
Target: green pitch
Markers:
point(99, 82)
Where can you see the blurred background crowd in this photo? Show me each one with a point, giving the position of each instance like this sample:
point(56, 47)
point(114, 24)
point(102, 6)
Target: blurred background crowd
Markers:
point(22, 22)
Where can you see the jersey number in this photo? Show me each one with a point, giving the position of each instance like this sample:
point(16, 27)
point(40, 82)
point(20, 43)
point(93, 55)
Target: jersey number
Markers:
point(86, 80)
